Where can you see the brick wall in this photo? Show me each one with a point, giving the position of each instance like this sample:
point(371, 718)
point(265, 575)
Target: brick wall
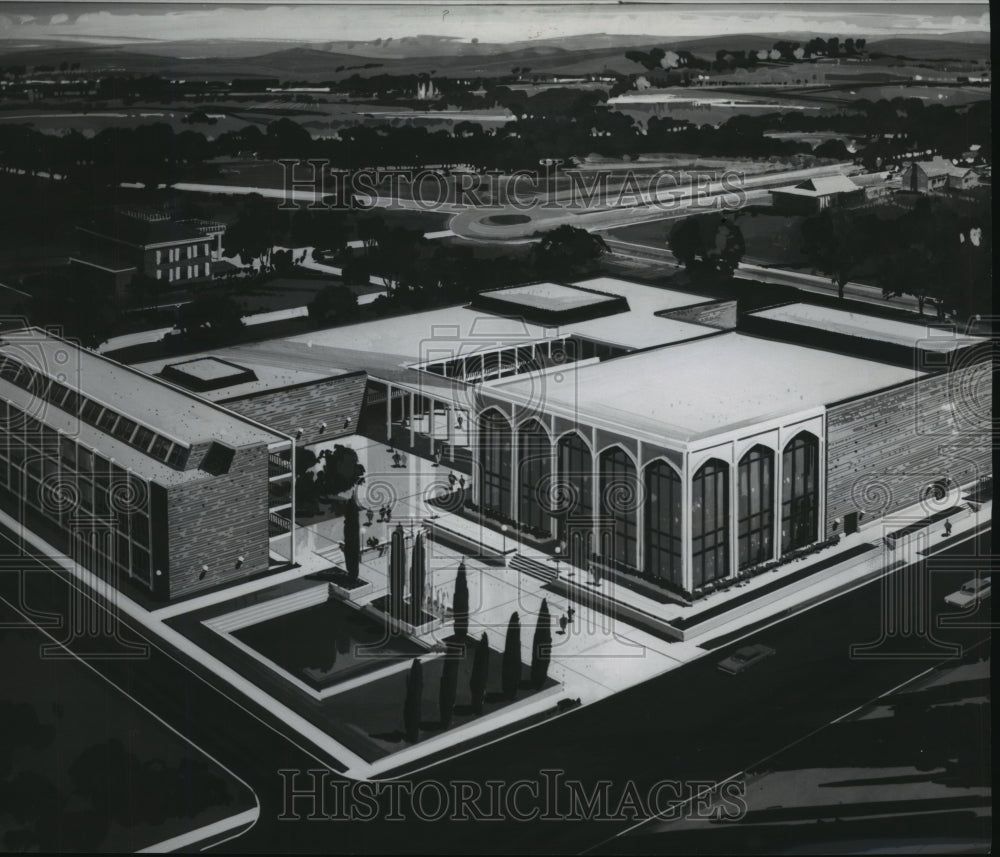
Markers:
point(215, 520)
point(884, 450)
point(307, 406)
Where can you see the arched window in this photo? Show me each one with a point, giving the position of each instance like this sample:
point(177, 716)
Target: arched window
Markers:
point(710, 522)
point(663, 523)
point(534, 470)
point(755, 521)
point(495, 461)
point(575, 498)
point(619, 493)
point(799, 492)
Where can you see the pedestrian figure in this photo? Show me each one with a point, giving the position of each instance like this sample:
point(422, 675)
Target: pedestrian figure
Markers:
point(570, 613)
point(458, 420)
point(396, 458)
point(437, 458)
point(452, 480)
point(369, 514)
point(381, 513)
point(388, 514)
point(461, 482)
point(563, 622)
point(947, 529)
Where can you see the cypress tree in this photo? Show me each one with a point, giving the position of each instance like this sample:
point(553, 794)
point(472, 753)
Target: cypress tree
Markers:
point(397, 572)
point(449, 685)
point(413, 704)
point(418, 578)
point(460, 603)
point(352, 540)
point(480, 674)
point(541, 646)
point(510, 675)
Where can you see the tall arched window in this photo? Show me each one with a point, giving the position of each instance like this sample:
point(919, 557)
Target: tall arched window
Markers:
point(620, 494)
point(710, 522)
point(755, 515)
point(576, 480)
point(799, 492)
point(534, 469)
point(495, 461)
point(663, 523)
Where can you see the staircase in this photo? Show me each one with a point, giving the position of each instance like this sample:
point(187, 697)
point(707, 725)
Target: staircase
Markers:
point(532, 567)
point(269, 609)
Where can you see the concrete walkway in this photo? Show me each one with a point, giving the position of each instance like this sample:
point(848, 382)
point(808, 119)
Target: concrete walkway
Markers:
point(597, 655)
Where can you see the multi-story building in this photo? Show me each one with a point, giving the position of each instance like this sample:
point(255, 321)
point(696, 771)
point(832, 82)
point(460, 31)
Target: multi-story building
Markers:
point(143, 483)
point(172, 253)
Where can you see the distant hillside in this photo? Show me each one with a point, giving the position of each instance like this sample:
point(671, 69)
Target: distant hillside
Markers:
point(213, 58)
point(925, 49)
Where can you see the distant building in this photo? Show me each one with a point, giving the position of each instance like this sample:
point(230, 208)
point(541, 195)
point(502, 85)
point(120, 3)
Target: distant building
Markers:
point(427, 91)
point(816, 194)
point(937, 174)
point(130, 242)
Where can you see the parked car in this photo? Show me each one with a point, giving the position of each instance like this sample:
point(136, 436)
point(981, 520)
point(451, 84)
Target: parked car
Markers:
point(745, 658)
point(972, 592)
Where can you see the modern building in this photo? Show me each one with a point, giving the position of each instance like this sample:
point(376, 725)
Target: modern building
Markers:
point(647, 431)
point(686, 464)
point(816, 194)
point(938, 174)
point(157, 490)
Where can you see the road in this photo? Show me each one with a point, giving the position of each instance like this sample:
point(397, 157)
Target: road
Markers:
point(692, 724)
point(749, 270)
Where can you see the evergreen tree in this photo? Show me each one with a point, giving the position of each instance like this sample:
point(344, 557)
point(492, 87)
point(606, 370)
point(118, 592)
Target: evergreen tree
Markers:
point(413, 704)
point(418, 577)
point(449, 684)
point(460, 603)
point(480, 674)
point(397, 572)
point(352, 540)
point(510, 675)
point(541, 646)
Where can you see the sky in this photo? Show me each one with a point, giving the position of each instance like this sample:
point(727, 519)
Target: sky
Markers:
point(494, 22)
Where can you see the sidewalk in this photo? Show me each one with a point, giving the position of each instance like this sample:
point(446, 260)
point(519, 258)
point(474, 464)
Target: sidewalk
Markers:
point(597, 655)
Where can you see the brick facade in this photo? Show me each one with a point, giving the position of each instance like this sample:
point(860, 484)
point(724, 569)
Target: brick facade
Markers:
point(336, 402)
point(885, 450)
point(214, 521)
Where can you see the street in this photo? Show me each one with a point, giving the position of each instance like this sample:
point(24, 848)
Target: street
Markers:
point(692, 724)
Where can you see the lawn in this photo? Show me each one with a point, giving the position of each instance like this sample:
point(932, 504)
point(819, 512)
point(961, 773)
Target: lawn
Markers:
point(373, 713)
point(87, 769)
point(327, 643)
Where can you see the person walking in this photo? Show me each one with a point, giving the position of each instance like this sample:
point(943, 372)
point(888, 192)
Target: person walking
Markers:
point(452, 480)
point(563, 622)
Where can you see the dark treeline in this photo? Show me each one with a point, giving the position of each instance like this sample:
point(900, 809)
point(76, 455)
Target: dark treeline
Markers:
point(556, 124)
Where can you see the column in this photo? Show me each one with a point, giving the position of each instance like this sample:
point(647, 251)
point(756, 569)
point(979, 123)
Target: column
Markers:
point(412, 417)
point(733, 512)
point(779, 459)
point(554, 471)
point(640, 512)
point(515, 499)
point(687, 576)
point(449, 422)
point(388, 412)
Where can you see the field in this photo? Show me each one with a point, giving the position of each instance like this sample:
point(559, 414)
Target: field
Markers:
point(87, 769)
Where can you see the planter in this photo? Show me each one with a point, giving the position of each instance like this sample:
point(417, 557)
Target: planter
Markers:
point(403, 626)
point(350, 591)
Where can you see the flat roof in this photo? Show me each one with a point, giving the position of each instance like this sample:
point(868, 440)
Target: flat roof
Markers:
point(162, 407)
point(912, 335)
point(208, 368)
point(551, 296)
point(706, 387)
point(408, 339)
point(125, 456)
point(274, 372)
